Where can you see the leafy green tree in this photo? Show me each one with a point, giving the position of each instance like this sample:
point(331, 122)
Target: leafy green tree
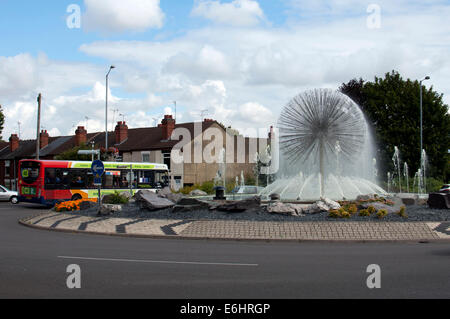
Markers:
point(72, 154)
point(392, 105)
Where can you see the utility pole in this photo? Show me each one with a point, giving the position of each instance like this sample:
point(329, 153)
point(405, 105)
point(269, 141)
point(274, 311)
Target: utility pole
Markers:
point(106, 112)
point(421, 115)
point(38, 146)
point(175, 103)
point(114, 118)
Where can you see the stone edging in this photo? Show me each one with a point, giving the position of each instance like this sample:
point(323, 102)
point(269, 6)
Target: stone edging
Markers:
point(242, 230)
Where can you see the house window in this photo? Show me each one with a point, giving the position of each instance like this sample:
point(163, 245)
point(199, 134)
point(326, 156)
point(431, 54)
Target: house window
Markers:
point(7, 167)
point(146, 157)
point(166, 158)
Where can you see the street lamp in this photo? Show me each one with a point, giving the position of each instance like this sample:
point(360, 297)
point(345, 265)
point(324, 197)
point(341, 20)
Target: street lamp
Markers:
point(106, 114)
point(421, 115)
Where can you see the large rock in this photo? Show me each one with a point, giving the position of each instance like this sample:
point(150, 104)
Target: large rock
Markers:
point(126, 195)
point(190, 205)
point(87, 205)
point(173, 197)
point(107, 199)
point(439, 201)
point(167, 193)
point(409, 201)
point(198, 192)
point(108, 209)
point(151, 201)
point(316, 208)
point(285, 209)
point(331, 204)
point(163, 192)
point(240, 206)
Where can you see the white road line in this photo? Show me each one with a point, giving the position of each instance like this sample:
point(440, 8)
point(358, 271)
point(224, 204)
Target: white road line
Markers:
point(160, 261)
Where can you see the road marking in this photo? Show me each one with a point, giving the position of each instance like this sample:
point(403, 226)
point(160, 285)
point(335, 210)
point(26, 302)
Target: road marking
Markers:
point(160, 261)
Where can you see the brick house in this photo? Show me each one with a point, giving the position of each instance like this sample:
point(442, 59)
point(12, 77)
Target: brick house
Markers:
point(150, 144)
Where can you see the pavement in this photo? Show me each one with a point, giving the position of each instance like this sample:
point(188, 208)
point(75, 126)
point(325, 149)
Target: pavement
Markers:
point(34, 264)
point(242, 230)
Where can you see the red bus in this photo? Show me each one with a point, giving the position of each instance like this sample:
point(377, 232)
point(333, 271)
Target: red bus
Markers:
point(49, 182)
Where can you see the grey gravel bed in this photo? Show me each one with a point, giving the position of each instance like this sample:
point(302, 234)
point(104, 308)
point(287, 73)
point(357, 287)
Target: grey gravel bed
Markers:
point(415, 214)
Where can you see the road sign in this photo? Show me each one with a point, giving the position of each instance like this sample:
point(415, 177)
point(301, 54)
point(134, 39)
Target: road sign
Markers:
point(130, 177)
point(98, 181)
point(98, 168)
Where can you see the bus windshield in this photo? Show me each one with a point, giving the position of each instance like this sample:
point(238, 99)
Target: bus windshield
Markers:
point(29, 172)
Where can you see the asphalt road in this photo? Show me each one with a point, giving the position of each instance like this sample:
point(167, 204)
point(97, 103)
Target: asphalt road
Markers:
point(33, 264)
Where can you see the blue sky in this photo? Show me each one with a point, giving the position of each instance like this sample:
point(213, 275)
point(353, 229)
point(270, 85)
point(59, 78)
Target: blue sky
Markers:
point(242, 60)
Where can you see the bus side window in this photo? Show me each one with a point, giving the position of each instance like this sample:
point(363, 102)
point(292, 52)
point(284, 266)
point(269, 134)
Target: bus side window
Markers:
point(50, 179)
point(107, 181)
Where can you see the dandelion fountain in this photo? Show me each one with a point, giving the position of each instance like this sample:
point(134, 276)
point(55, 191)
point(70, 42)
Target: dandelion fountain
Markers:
point(326, 149)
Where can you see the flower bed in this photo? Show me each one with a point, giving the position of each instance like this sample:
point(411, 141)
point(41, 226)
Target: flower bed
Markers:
point(71, 206)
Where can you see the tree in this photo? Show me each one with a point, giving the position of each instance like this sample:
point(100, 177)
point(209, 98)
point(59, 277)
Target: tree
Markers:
point(72, 154)
point(353, 89)
point(393, 107)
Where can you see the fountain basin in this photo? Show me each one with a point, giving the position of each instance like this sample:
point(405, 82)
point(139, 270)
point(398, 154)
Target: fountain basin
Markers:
point(306, 189)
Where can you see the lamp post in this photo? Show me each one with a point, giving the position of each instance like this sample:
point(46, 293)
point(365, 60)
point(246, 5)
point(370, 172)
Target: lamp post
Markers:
point(106, 114)
point(421, 115)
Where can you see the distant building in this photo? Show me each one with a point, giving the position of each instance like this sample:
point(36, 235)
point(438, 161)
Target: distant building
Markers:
point(151, 144)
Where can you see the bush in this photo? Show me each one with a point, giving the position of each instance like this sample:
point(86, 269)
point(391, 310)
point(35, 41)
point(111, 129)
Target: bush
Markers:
point(382, 213)
point(402, 212)
point(207, 187)
point(372, 210)
point(187, 189)
point(364, 213)
point(352, 209)
point(346, 215)
point(117, 199)
point(334, 214)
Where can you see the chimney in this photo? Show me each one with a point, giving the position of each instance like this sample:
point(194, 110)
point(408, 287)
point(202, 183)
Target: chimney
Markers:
point(80, 136)
point(14, 142)
point(43, 139)
point(121, 132)
point(168, 126)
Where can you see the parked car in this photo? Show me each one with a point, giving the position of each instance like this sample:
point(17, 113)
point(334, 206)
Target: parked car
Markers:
point(8, 195)
point(445, 189)
point(247, 190)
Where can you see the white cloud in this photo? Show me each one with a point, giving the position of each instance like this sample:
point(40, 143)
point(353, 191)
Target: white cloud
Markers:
point(255, 113)
point(121, 16)
point(242, 13)
point(243, 77)
point(18, 74)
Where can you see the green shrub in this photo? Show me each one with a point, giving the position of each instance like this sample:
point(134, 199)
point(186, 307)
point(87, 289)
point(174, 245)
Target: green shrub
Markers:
point(207, 187)
point(402, 212)
point(117, 199)
point(334, 214)
point(364, 213)
point(372, 210)
point(382, 213)
point(346, 215)
point(352, 209)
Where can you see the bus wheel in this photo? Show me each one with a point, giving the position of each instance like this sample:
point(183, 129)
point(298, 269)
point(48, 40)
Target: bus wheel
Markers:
point(14, 200)
point(76, 197)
